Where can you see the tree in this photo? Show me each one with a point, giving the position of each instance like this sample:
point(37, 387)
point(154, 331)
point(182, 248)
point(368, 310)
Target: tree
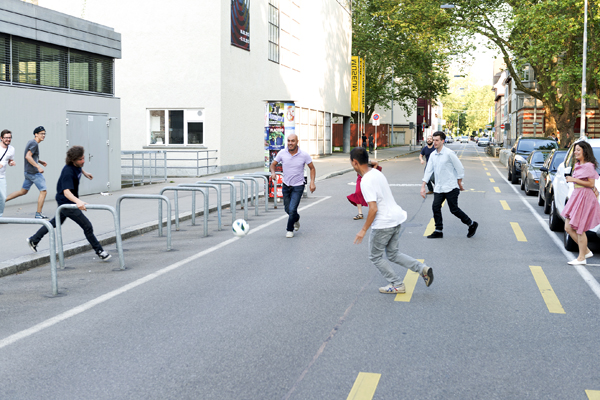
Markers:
point(470, 101)
point(405, 57)
point(547, 36)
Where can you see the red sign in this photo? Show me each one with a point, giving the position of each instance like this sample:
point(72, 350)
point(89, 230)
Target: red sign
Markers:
point(502, 126)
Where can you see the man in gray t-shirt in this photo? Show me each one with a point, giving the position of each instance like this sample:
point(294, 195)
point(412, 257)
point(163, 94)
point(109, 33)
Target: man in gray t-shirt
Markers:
point(34, 171)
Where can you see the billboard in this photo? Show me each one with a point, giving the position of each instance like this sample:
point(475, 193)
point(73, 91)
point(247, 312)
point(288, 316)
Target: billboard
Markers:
point(240, 24)
point(357, 76)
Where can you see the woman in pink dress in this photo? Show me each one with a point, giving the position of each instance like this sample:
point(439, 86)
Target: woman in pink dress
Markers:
point(357, 198)
point(582, 211)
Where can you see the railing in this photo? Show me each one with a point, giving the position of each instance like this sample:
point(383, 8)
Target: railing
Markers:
point(148, 166)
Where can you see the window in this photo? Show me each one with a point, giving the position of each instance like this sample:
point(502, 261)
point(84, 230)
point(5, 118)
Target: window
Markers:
point(274, 31)
point(90, 72)
point(420, 111)
point(176, 127)
point(4, 58)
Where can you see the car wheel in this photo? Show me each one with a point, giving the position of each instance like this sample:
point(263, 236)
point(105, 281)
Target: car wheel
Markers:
point(515, 178)
point(523, 182)
point(547, 205)
point(540, 200)
point(569, 243)
point(509, 174)
point(555, 223)
point(527, 191)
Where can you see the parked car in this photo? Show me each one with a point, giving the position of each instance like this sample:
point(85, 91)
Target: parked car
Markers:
point(548, 172)
point(483, 142)
point(449, 139)
point(521, 149)
point(562, 190)
point(464, 139)
point(530, 171)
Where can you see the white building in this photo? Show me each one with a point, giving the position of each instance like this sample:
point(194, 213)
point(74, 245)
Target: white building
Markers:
point(184, 85)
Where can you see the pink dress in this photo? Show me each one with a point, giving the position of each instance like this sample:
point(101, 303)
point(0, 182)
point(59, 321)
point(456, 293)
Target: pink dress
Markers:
point(583, 209)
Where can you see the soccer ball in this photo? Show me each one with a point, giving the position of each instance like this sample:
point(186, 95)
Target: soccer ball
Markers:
point(240, 227)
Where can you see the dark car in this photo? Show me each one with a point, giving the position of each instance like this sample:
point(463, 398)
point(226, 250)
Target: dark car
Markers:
point(530, 171)
point(548, 171)
point(520, 151)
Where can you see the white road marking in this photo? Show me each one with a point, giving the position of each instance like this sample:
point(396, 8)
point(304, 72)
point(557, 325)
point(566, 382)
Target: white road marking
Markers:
point(583, 272)
point(99, 300)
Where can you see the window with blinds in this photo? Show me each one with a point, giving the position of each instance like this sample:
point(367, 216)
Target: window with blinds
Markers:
point(274, 30)
point(42, 64)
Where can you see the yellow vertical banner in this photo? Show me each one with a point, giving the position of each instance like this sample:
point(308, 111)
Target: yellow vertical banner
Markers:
point(355, 79)
point(363, 86)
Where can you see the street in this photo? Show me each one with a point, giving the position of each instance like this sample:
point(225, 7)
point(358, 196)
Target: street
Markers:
point(266, 317)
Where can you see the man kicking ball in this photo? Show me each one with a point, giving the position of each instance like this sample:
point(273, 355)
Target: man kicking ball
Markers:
point(385, 218)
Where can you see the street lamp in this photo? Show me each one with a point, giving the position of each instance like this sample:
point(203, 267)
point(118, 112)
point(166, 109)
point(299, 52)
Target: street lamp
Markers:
point(583, 78)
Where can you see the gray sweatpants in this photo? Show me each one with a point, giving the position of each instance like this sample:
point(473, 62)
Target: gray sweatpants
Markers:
point(387, 240)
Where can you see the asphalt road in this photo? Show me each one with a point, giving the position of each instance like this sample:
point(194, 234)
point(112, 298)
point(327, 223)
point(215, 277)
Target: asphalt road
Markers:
point(265, 317)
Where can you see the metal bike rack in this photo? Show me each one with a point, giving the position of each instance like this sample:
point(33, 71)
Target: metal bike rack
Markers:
point(254, 193)
point(178, 189)
point(207, 185)
point(150, 196)
point(61, 255)
point(243, 193)
point(266, 179)
point(48, 225)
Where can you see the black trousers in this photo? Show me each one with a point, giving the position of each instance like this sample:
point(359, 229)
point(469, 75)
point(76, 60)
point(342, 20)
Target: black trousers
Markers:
point(80, 219)
point(452, 199)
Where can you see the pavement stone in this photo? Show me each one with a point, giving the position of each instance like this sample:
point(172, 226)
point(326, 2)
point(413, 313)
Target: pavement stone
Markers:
point(139, 217)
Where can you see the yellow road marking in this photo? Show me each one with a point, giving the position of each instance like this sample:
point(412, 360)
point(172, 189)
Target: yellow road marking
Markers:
point(364, 386)
point(497, 189)
point(593, 394)
point(410, 281)
point(486, 169)
point(492, 180)
point(430, 228)
point(488, 174)
point(505, 205)
point(548, 294)
point(518, 232)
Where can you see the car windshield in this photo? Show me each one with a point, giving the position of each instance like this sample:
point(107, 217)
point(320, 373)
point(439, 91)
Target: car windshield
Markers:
point(538, 157)
point(541, 144)
point(557, 159)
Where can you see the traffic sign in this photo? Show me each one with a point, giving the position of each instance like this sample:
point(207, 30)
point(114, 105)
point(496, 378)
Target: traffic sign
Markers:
point(375, 119)
point(502, 126)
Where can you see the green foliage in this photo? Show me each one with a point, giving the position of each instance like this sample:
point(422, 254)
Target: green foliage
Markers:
point(470, 102)
point(405, 49)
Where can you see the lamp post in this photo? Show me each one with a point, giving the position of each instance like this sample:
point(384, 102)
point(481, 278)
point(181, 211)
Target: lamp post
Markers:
point(583, 79)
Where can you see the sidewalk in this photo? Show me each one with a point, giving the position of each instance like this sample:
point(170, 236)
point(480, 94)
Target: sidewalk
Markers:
point(137, 216)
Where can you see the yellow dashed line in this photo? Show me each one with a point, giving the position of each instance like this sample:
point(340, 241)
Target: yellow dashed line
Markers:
point(593, 394)
point(410, 281)
point(548, 294)
point(485, 169)
point(488, 174)
point(505, 205)
point(518, 232)
point(430, 228)
point(497, 189)
point(492, 180)
point(364, 386)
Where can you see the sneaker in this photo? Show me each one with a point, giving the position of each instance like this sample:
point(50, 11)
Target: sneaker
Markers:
point(296, 225)
point(104, 255)
point(32, 246)
point(472, 229)
point(289, 234)
point(436, 235)
point(427, 275)
point(393, 289)
point(40, 216)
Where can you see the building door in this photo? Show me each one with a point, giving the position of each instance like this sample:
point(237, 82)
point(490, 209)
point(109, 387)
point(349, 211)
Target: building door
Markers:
point(91, 131)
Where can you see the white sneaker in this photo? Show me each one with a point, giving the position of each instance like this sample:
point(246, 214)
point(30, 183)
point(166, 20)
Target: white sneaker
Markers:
point(296, 225)
point(289, 234)
point(393, 289)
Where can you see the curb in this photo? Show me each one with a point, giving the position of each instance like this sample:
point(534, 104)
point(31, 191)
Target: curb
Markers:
point(23, 263)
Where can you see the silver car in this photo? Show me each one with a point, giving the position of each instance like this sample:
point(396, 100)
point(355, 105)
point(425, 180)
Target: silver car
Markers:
point(530, 171)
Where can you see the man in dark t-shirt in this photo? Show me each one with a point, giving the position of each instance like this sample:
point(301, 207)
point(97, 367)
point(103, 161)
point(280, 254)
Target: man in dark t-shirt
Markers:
point(425, 153)
point(67, 192)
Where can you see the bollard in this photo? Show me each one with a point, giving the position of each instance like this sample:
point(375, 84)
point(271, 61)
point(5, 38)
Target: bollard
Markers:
point(243, 193)
point(177, 189)
point(207, 185)
point(150, 196)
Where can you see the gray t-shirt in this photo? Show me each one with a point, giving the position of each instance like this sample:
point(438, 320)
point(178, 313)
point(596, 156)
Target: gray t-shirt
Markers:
point(32, 146)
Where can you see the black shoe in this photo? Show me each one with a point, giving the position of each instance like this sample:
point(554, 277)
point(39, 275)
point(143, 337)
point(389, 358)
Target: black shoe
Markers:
point(472, 229)
point(32, 246)
point(436, 235)
point(103, 255)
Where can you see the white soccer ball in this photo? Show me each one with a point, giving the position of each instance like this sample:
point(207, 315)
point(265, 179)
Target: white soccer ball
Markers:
point(240, 227)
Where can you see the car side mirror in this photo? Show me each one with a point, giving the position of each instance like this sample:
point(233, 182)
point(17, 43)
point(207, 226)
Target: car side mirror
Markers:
point(544, 169)
point(513, 150)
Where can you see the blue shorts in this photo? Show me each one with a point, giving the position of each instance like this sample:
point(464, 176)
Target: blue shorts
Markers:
point(37, 179)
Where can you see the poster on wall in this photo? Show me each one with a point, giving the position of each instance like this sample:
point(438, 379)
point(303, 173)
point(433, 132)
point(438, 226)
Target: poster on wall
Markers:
point(280, 122)
point(240, 24)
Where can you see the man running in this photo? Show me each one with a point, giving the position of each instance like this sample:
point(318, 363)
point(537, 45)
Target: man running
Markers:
point(293, 160)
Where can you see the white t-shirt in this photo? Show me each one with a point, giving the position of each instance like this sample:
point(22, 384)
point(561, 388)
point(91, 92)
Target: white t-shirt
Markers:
point(375, 187)
point(10, 155)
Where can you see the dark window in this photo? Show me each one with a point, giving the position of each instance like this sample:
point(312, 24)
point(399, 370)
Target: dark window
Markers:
point(530, 145)
point(195, 132)
point(4, 58)
point(90, 72)
point(274, 30)
point(557, 159)
point(175, 126)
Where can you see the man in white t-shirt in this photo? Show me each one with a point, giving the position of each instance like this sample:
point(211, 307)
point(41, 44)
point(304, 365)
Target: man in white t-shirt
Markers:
point(7, 157)
point(384, 219)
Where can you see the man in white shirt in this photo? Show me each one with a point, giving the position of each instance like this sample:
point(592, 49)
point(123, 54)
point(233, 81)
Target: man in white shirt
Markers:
point(449, 172)
point(384, 219)
point(7, 155)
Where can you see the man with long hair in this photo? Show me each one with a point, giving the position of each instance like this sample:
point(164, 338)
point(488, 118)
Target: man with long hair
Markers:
point(67, 192)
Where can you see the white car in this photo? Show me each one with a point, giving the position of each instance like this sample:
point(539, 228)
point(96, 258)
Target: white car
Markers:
point(562, 192)
point(464, 139)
